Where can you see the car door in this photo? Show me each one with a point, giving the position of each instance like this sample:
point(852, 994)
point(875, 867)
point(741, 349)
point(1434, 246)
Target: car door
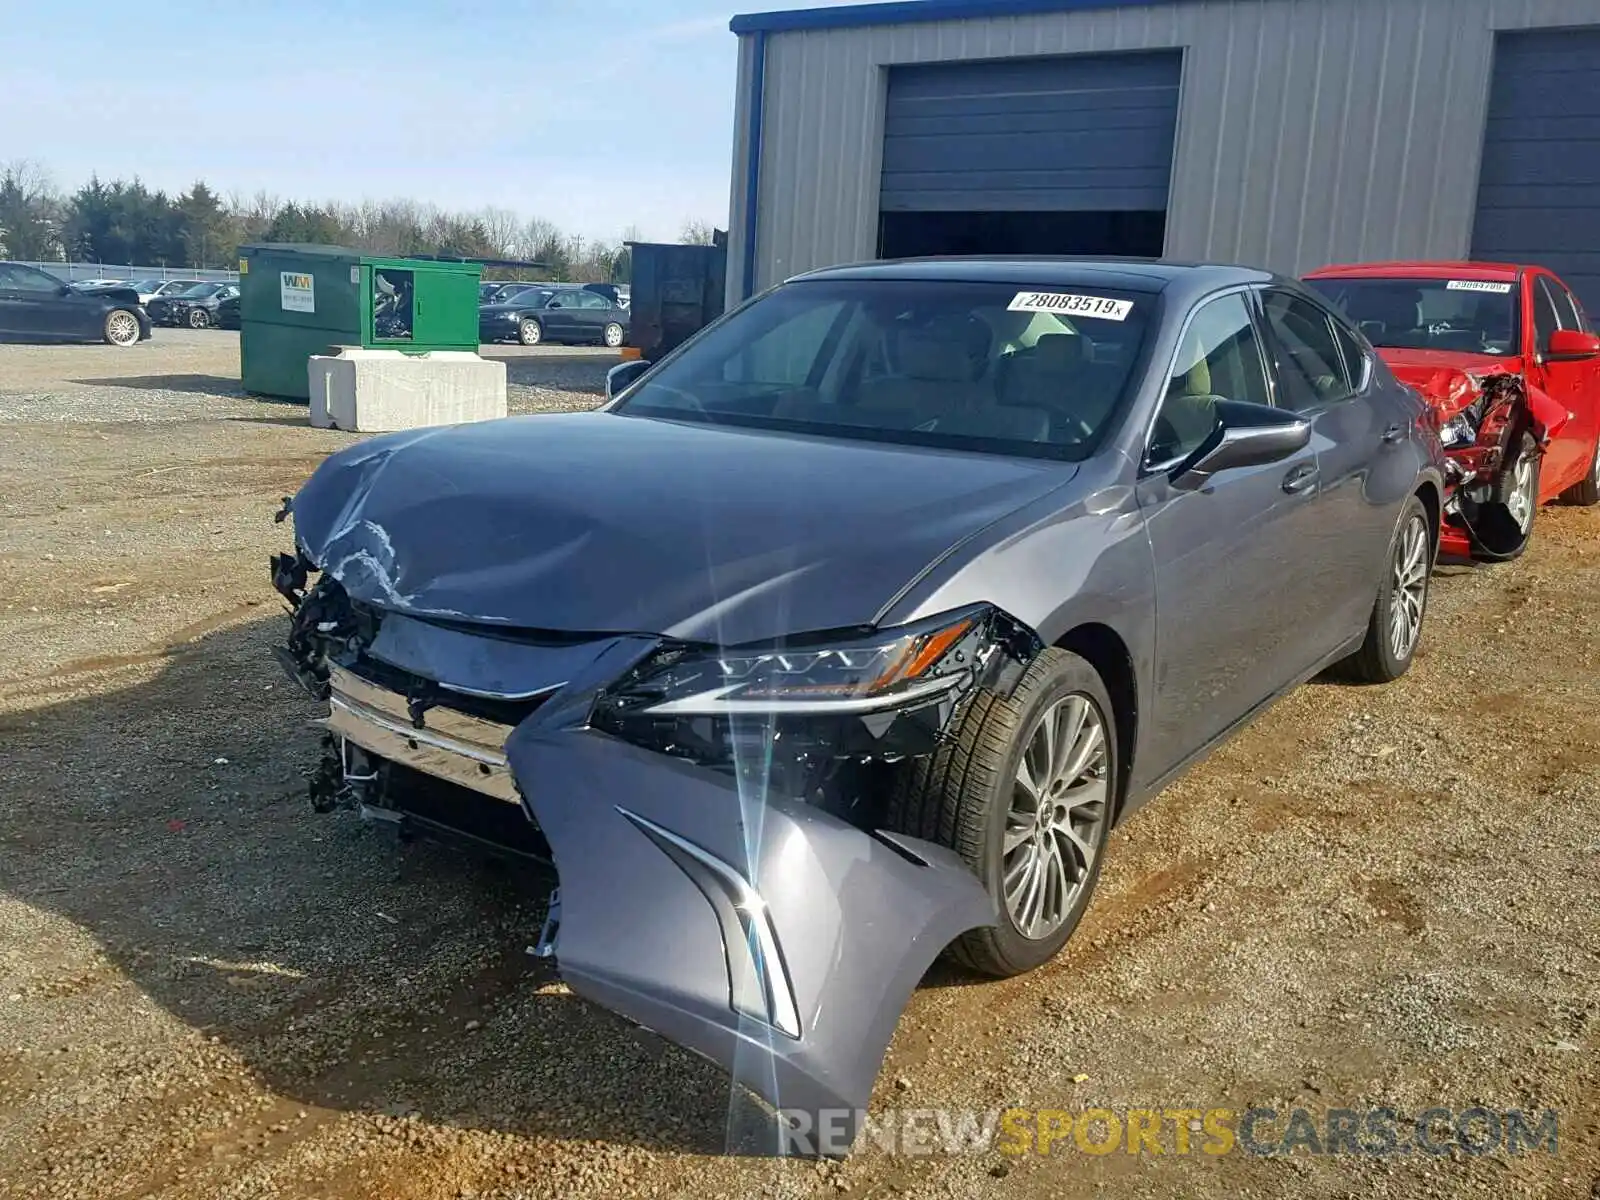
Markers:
point(1562, 456)
point(1573, 383)
point(36, 304)
point(1360, 433)
point(1234, 573)
point(559, 316)
point(596, 313)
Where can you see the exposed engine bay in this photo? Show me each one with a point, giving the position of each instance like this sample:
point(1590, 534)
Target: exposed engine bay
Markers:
point(1482, 419)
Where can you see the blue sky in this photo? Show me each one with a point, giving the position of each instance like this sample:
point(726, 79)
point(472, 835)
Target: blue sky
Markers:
point(595, 114)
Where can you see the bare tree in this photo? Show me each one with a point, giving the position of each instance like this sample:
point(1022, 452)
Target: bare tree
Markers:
point(696, 233)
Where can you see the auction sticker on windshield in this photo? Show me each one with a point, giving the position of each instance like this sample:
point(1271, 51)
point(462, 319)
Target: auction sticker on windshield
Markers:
point(1070, 305)
point(1477, 285)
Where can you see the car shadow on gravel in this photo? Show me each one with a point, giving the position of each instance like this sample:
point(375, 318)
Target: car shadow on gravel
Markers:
point(168, 820)
point(212, 385)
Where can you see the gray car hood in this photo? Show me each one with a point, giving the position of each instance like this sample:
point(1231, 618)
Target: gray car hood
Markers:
point(600, 522)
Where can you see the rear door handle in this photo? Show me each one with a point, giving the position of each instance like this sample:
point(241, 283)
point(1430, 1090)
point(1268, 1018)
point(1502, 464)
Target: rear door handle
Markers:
point(1394, 434)
point(1302, 479)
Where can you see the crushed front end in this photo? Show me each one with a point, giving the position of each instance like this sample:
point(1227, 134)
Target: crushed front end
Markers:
point(1482, 417)
point(713, 815)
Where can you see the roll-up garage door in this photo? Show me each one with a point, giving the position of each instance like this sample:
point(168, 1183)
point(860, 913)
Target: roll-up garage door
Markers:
point(1539, 191)
point(1089, 133)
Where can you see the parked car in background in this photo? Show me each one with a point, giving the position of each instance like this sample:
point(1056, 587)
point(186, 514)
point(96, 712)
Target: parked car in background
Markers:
point(563, 313)
point(195, 307)
point(925, 575)
point(227, 314)
point(96, 283)
point(1510, 362)
point(38, 307)
point(149, 289)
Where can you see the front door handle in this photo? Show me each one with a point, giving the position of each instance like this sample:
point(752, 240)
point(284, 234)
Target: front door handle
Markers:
point(1302, 479)
point(1394, 434)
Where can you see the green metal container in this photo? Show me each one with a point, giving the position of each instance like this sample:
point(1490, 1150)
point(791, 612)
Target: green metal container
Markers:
point(299, 300)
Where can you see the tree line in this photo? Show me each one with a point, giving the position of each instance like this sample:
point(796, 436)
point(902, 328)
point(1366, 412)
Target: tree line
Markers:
point(123, 221)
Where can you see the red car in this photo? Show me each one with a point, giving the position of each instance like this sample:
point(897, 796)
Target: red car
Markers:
point(1510, 364)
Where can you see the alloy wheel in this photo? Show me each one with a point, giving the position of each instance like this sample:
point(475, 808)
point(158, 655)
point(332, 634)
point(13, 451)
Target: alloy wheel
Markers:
point(1409, 592)
point(1521, 502)
point(122, 329)
point(1059, 802)
point(198, 318)
point(613, 336)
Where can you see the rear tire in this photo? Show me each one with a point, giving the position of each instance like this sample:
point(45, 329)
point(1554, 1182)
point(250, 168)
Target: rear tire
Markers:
point(1386, 655)
point(971, 796)
point(530, 332)
point(1586, 492)
point(121, 328)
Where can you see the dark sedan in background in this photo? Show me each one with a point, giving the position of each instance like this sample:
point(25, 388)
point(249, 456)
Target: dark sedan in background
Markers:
point(195, 307)
point(37, 307)
point(562, 313)
point(924, 575)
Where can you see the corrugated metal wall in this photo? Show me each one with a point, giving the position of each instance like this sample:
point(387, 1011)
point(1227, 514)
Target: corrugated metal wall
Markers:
point(1309, 131)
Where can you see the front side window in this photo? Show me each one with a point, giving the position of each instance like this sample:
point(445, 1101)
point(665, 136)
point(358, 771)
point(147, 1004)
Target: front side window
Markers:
point(985, 366)
point(1475, 316)
point(1565, 305)
point(1311, 367)
point(1219, 358)
point(1545, 320)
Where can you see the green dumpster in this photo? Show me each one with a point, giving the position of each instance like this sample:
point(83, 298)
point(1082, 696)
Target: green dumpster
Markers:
point(299, 300)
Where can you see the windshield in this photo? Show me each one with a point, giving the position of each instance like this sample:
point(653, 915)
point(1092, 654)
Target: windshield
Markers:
point(145, 285)
point(983, 366)
point(1476, 316)
point(202, 290)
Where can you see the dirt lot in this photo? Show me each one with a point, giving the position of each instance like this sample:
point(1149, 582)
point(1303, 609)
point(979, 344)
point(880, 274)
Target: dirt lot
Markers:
point(1374, 897)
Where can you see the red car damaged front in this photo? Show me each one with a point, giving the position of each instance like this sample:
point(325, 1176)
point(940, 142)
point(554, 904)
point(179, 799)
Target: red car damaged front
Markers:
point(1483, 404)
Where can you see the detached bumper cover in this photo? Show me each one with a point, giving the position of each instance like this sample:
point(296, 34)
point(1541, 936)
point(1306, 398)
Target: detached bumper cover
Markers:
point(758, 930)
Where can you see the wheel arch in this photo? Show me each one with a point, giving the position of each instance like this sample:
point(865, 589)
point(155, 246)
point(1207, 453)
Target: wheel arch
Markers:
point(1428, 493)
point(1103, 648)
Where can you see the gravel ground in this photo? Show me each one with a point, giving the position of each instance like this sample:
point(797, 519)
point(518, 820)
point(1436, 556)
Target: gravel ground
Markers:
point(1374, 896)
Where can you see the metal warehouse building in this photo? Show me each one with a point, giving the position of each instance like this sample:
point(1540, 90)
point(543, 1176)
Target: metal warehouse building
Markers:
point(1285, 133)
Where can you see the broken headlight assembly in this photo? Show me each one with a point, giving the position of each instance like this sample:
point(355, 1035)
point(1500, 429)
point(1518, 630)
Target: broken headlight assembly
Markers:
point(883, 694)
point(1459, 430)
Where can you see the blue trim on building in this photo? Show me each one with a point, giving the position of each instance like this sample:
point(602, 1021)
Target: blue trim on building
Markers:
point(906, 12)
point(752, 171)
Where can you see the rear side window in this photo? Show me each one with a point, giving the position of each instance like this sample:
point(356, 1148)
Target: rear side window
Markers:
point(1310, 362)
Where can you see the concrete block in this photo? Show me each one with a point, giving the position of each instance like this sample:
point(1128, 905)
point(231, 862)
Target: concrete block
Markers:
point(378, 391)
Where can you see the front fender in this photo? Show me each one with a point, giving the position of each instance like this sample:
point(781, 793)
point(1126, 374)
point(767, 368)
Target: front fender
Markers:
point(763, 933)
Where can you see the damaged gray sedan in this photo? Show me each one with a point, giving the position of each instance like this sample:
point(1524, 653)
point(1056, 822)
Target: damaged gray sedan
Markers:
point(842, 637)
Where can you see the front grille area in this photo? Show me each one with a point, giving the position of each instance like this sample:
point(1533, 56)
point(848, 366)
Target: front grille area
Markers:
point(447, 743)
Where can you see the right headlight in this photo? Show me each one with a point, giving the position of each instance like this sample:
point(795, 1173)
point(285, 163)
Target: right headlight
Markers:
point(883, 670)
point(1458, 431)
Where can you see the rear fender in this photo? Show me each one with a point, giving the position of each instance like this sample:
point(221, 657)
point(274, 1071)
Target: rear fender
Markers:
point(758, 931)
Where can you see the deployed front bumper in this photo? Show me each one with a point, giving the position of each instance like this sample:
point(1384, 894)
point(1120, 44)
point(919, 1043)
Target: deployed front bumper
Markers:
point(774, 938)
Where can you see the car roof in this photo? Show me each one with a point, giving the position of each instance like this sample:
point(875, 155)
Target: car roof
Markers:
point(1128, 274)
point(1422, 269)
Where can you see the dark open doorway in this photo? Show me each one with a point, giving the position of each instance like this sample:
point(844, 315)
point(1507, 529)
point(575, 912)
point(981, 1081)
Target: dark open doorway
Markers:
point(917, 234)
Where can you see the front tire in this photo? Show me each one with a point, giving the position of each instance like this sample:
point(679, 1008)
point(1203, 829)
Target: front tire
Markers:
point(613, 335)
point(198, 318)
point(121, 328)
point(1395, 627)
point(1586, 492)
point(530, 332)
point(1023, 790)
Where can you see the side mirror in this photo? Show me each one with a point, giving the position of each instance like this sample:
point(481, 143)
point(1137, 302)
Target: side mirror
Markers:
point(623, 376)
point(1246, 435)
point(1569, 345)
